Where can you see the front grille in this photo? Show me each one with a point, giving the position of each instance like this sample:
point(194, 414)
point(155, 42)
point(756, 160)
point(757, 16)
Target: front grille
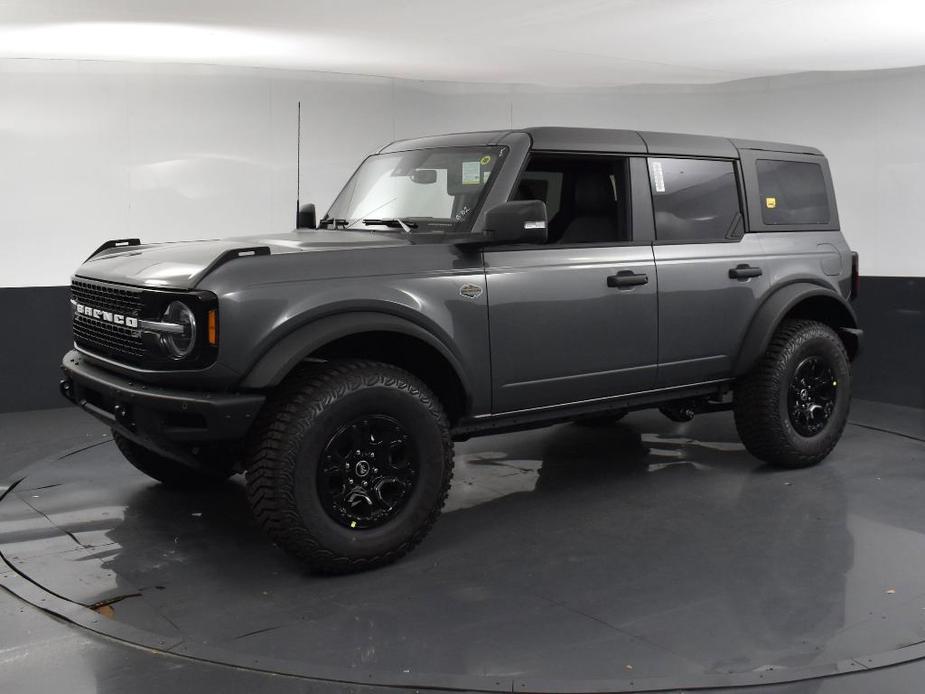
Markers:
point(123, 300)
point(100, 337)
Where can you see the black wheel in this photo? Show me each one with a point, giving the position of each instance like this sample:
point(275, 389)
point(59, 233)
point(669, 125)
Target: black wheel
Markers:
point(169, 472)
point(349, 465)
point(791, 409)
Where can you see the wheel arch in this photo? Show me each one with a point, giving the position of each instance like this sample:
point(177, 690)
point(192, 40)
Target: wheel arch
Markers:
point(798, 300)
point(368, 335)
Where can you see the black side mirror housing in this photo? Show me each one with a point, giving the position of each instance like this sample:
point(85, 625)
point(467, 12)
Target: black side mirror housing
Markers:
point(517, 221)
point(305, 218)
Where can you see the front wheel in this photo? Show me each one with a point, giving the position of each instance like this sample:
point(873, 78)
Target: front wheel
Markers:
point(791, 409)
point(350, 465)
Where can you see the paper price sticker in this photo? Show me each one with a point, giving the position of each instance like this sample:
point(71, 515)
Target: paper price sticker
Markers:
point(658, 177)
point(471, 173)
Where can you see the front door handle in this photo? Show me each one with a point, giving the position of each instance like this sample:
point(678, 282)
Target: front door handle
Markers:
point(744, 272)
point(626, 279)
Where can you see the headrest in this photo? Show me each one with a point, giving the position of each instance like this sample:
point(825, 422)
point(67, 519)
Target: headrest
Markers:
point(593, 193)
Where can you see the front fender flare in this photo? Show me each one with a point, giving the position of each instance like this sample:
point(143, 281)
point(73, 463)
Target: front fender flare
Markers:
point(773, 311)
point(294, 347)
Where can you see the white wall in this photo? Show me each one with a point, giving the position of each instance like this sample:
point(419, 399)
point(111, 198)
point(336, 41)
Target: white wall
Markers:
point(92, 150)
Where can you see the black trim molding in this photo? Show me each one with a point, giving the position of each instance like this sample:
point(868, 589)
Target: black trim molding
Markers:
point(891, 368)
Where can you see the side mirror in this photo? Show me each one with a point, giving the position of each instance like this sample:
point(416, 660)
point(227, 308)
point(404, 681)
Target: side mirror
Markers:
point(518, 221)
point(305, 218)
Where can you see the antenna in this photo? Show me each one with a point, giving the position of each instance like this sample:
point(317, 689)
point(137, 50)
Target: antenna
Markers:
point(298, 162)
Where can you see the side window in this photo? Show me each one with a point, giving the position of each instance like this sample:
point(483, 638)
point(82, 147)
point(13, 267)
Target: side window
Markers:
point(587, 198)
point(792, 192)
point(695, 200)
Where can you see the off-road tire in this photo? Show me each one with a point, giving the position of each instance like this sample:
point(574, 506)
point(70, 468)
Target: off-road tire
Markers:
point(286, 447)
point(167, 471)
point(760, 405)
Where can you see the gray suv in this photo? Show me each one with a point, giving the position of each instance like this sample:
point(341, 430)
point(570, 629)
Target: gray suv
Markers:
point(468, 284)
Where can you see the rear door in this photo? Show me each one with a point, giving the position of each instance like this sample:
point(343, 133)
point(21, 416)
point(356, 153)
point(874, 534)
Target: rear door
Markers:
point(575, 319)
point(711, 275)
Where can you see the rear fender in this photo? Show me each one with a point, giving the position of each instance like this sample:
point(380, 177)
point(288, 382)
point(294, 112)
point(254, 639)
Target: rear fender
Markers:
point(803, 300)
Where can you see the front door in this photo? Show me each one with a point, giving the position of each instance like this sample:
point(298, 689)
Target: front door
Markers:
point(576, 319)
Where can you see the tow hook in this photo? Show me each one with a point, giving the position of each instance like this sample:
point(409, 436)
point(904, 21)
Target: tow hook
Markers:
point(67, 388)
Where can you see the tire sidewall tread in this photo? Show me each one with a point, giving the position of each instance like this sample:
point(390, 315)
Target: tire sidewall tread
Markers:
point(760, 404)
point(285, 448)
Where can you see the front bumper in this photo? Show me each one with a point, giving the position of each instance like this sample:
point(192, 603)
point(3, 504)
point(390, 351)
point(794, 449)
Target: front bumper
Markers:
point(168, 421)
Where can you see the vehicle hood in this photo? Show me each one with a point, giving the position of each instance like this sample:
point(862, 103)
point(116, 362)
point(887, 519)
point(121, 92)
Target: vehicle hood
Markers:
point(183, 264)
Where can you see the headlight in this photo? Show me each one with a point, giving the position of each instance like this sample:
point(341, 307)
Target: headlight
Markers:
point(179, 344)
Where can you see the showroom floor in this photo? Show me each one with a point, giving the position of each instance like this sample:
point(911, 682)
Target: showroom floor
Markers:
point(644, 556)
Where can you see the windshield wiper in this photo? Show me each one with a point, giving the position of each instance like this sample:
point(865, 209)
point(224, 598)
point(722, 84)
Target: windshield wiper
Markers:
point(395, 222)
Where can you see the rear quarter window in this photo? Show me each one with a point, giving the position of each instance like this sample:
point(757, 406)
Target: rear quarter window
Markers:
point(792, 192)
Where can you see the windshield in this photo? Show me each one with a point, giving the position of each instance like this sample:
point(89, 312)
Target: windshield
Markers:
point(418, 190)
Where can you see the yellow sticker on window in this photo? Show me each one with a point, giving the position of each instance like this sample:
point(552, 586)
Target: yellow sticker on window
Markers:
point(770, 203)
point(486, 160)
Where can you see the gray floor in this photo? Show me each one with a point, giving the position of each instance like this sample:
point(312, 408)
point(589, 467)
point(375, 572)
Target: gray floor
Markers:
point(645, 553)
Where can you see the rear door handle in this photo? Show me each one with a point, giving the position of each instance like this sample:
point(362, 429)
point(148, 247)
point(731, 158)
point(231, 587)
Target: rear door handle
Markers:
point(744, 272)
point(626, 279)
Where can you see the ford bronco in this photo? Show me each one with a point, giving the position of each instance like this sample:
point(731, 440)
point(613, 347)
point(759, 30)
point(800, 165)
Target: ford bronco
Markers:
point(469, 284)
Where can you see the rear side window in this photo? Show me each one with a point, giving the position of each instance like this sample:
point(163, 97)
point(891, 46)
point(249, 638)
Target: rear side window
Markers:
point(695, 200)
point(792, 192)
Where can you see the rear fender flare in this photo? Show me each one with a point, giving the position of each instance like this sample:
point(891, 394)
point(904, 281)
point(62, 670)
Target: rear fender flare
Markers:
point(776, 307)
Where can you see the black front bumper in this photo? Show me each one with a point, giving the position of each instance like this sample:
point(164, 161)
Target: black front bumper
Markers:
point(168, 421)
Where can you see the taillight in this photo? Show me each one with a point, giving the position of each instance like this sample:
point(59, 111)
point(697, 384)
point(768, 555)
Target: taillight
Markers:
point(855, 277)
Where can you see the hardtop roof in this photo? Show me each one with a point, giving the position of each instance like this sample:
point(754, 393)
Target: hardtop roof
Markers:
point(554, 138)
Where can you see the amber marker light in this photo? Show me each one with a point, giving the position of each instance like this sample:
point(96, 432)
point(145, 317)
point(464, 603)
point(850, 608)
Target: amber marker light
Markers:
point(213, 327)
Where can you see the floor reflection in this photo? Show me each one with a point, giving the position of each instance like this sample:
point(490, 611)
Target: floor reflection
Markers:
point(570, 552)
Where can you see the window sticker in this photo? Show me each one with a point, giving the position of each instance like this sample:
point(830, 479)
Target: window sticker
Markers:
point(486, 160)
point(471, 173)
point(770, 203)
point(658, 177)
point(485, 175)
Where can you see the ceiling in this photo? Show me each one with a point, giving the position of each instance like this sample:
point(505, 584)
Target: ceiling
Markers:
point(575, 42)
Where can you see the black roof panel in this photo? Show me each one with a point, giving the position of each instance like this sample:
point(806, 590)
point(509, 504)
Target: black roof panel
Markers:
point(586, 140)
point(563, 139)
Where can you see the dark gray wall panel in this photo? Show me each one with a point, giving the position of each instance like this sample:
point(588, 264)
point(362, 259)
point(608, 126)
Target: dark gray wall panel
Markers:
point(36, 333)
point(891, 310)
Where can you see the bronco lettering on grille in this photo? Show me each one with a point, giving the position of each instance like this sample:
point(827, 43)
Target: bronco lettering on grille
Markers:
point(106, 316)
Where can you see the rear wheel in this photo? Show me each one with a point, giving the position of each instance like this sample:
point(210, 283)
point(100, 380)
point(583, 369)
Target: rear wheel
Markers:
point(791, 409)
point(169, 472)
point(350, 465)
